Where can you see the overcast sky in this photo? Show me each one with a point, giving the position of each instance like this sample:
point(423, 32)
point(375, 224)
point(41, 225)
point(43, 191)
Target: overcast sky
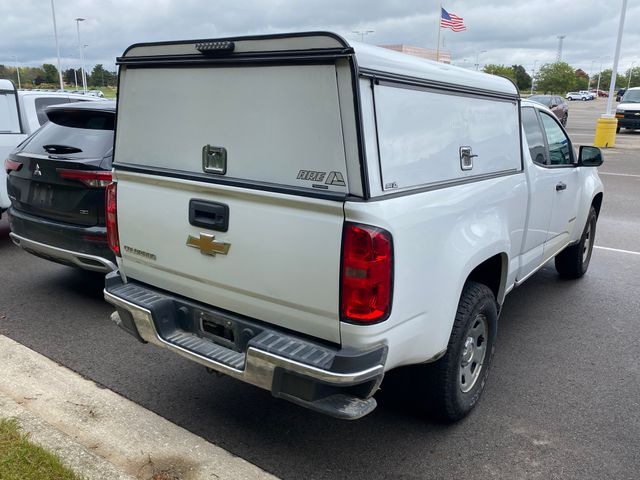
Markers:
point(511, 31)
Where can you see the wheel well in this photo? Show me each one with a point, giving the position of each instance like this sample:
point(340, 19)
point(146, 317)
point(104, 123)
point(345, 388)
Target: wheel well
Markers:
point(490, 274)
point(597, 203)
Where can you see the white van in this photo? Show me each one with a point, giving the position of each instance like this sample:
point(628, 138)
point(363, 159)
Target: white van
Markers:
point(305, 214)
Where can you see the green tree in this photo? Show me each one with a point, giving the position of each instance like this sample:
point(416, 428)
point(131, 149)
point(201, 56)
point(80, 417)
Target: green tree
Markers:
point(50, 73)
point(501, 70)
point(522, 78)
point(635, 78)
point(556, 77)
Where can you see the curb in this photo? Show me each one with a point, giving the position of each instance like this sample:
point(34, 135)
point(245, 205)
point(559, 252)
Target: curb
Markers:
point(100, 434)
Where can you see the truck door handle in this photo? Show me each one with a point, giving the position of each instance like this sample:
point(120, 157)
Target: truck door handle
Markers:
point(561, 186)
point(211, 215)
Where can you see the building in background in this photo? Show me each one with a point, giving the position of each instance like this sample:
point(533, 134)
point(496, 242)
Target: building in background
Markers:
point(428, 53)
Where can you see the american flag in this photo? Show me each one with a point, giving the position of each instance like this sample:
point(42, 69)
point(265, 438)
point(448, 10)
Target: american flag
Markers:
point(449, 20)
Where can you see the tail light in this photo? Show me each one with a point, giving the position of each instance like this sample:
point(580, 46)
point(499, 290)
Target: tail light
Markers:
point(367, 269)
point(91, 178)
point(112, 218)
point(12, 166)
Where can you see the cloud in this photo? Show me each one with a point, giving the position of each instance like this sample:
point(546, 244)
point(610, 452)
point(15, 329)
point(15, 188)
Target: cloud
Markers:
point(511, 31)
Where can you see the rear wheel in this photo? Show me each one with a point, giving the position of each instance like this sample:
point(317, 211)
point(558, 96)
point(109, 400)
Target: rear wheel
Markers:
point(573, 261)
point(456, 381)
point(617, 129)
point(564, 120)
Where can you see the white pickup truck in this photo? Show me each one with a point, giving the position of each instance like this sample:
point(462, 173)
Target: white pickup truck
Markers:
point(22, 112)
point(305, 215)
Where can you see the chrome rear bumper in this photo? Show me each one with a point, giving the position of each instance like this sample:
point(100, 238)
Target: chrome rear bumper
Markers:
point(343, 382)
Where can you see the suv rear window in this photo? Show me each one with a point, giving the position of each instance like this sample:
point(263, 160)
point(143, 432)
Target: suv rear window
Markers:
point(87, 131)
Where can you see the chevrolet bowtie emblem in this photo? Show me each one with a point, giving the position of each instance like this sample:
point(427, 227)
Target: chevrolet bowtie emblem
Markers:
point(208, 245)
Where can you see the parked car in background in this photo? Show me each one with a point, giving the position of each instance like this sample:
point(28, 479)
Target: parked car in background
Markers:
point(56, 183)
point(578, 96)
point(22, 112)
point(628, 110)
point(590, 96)
point(620, 94)
point(600, 93)
point(556, 104)
point(95, 93)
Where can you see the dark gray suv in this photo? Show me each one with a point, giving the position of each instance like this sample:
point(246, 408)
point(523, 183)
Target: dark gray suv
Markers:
point(56, 181)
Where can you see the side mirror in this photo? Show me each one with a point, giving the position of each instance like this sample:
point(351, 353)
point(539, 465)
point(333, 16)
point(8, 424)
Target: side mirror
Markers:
point(553, 105)
point(589, 156)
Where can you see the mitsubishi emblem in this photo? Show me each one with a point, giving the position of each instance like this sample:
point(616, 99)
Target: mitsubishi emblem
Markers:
point(208, 245)
point(37, 172)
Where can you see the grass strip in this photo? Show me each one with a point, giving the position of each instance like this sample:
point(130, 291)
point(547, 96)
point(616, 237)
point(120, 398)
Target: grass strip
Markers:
point(22, 460)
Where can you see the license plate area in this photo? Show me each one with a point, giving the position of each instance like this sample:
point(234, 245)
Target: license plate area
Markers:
point(41, 195)
point(219, 329)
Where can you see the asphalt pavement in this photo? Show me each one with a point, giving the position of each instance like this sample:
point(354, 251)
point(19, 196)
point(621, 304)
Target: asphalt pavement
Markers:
point(562, 400)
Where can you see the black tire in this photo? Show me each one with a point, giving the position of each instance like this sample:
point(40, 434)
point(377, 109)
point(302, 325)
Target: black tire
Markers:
point(584, 99)
point(448, 400)
point(617, 129)
point(573, 261)
point(564, 120)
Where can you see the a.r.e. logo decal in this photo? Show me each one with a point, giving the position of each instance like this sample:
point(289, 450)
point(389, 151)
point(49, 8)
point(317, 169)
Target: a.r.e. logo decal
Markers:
point(333, 178)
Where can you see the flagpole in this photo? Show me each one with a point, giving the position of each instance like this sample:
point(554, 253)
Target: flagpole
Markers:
point(439, 28)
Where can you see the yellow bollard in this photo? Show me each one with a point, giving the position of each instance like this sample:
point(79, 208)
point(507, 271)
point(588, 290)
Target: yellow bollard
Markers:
point(605, 132)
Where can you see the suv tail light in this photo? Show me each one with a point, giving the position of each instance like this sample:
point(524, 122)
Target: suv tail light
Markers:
point(12, 166)
point(366, 277)
point(112, 218)
point(91, 178)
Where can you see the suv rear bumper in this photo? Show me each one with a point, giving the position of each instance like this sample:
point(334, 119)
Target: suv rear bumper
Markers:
point(73, 245)
point(337, 382)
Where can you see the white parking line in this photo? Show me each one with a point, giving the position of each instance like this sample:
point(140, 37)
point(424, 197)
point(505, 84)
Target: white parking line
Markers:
point(630, 252)
point(618, 174)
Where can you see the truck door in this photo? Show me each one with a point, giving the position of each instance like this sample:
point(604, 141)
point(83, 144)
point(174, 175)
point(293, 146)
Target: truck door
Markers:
point(563, 177)
point(541, 193)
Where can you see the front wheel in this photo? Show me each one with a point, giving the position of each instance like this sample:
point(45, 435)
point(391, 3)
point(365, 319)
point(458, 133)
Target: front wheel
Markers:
point(617, 129)
point(573, 261)
point(458, 378)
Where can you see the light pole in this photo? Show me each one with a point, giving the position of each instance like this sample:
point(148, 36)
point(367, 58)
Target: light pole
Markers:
point(533, 75)
point(362, 33)
point(600, 73)
point(478, 58)
point(628, 81)
point(55, 34)
point(590, 74)
point(84, 81)
point(17, 71)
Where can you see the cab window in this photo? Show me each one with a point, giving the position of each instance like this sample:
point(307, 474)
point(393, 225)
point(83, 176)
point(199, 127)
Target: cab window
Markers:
point(535, 137)
point(559, 145)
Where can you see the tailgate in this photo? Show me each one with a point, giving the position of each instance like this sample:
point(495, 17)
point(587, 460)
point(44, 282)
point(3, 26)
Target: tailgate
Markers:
point(283, 260)
point(279, 189)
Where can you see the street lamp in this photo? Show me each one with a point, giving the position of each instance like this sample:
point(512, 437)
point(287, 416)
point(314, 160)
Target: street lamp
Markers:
point(478, 58)
point(55, 34)
point(600, 72)
point(84, 80)
point(590, 74)
point(362, 33)
point(533, 75)
point(17, 70)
